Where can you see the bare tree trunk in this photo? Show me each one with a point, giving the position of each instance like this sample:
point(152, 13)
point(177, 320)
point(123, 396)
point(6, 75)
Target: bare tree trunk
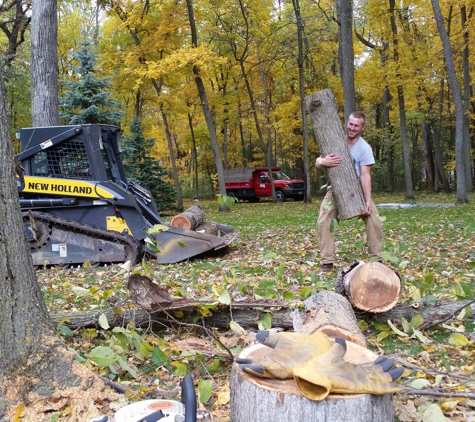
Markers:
point(437, 151)
point(300, 59)
point(194, 155)
point(33, 360)
point(44, 63)
point(346, 56)
point(466, 101)
point(206, 110)
point(402, 109)
point(462, 194)
point(427, 154)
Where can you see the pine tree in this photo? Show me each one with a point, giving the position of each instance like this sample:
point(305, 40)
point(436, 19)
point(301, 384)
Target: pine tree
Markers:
point(142, 168)
point(87, 99)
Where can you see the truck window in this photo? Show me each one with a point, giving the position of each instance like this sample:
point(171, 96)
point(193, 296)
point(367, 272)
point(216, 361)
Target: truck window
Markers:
point(264, 178)
point(280, 176)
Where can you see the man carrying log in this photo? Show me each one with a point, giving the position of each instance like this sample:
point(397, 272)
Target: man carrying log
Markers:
point(363, 158)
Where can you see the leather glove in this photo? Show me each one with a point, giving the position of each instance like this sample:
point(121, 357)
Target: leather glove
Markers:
point(329, 373)
point(287, 352)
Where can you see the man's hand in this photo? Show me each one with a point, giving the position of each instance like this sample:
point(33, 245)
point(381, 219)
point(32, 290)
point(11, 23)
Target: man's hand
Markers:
point(331, 160)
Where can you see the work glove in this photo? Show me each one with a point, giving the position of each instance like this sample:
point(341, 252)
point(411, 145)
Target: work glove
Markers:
point(287, 352)
point(329, 373)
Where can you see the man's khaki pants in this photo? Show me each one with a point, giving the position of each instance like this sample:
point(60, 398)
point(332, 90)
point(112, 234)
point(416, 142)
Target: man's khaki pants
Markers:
point(326, 239)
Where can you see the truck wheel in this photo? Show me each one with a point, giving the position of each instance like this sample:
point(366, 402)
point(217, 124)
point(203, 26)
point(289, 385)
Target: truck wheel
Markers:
point(280, 196)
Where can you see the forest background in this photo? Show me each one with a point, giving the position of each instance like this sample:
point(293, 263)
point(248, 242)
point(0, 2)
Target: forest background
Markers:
point(251, 57)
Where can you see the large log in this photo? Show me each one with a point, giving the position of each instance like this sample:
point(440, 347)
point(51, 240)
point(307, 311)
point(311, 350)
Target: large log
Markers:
point(248, 315)
point(332, 314)
point(190, 219)
point(369, 286)
point(323, 111)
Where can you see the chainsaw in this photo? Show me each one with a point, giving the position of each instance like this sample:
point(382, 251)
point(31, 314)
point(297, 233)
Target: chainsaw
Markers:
point(160, 410)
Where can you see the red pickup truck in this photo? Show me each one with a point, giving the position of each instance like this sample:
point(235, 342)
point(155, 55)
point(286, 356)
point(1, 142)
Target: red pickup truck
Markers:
point(252, 184)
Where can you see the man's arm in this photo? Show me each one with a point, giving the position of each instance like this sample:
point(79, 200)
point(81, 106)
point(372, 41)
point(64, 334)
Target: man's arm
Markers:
point(331, 160)
point(365, 180)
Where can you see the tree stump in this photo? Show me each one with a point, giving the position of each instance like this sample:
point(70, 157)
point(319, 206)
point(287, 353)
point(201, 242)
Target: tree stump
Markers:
point(332, 314)
point(264, 399)
point(190, 219)
point(323, 111)
point(370, 287)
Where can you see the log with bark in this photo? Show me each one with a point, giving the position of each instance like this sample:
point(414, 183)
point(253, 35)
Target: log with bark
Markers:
point(248, 314)
point(190, 219)
point(369, 286)
point(323, 111)
point(332, 314)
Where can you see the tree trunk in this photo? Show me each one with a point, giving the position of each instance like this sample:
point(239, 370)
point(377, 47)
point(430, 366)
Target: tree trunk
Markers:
point(206, 109)
point(402, 108)
point(346, 56)
point(370, 287)
point(44, 63)
point(332, 314)
point(34, 363)
point(462, 194)
point(265, 399)
point(322, 108)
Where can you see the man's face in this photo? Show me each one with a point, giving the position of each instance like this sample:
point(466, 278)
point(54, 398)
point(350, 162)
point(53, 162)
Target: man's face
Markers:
point(354, 128)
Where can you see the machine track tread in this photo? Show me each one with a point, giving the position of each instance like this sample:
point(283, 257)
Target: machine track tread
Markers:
point(90, 230)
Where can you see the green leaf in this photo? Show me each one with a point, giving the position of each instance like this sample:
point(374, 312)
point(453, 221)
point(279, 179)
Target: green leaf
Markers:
point(432, 413)
point(224, 298)
point(382, 335)
point(270, 255)
point(126, 265)
point(204, 390)
point(398, 332)
point(416, 321)
point(66, 331)
point(420, 383)
point(380, 326)
point(159, 357)
point(280, 271)
point(123, 364)
point(157, 228)
point(421, 337)
point(306, 292)
point(458, 339)
point(333, 225)
point(103, 356)
point(431, 299)
point(180, 369)
point(182, 245)
point(266, 322)
point(103, 322)
point(362, 324)
point(290, 296)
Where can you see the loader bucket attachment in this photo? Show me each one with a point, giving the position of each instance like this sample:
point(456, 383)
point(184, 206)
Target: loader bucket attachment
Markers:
point(176, 244)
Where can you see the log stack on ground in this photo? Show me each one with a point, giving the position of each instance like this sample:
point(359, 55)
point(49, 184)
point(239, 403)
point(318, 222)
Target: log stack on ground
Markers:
point(265, 399)
point(323, 111)
point(370, 287)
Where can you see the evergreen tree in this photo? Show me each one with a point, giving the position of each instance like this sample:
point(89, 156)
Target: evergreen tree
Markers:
point(142, 168)
point(87, 99)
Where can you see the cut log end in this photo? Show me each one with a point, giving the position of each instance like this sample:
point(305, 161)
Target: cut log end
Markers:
point(180, 221)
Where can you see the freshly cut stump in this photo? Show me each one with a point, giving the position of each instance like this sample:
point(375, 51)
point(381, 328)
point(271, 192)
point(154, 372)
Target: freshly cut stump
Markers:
point(370, 287)
point(332, 314)
point(255, 399)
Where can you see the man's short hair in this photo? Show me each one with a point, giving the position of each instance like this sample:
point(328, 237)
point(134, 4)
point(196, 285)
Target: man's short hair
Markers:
point(359, 115)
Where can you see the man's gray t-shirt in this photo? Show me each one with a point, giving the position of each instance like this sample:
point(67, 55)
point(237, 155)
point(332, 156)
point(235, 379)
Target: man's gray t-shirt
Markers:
point(362, 155)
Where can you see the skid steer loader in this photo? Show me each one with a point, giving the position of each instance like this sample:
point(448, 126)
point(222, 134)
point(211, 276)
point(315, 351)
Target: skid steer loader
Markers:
point(78, 206)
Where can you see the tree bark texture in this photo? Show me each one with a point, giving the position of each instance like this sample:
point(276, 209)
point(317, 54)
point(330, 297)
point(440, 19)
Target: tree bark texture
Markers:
point(322, 108)
point(248, 315)
point(264, 399)
point(371, 286)
point(32, 358)
point(332, 314)
point(44, 63)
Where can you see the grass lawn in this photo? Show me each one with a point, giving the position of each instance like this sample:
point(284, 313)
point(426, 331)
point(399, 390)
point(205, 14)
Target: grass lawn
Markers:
point(276, 256)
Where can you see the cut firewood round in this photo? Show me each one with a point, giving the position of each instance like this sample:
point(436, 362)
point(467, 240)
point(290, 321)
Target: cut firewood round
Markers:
point(189, 219)
point(370, 287)
point(265, 399)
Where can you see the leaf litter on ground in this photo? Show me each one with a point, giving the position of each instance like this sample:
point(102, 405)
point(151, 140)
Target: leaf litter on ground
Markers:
point(276, 257)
